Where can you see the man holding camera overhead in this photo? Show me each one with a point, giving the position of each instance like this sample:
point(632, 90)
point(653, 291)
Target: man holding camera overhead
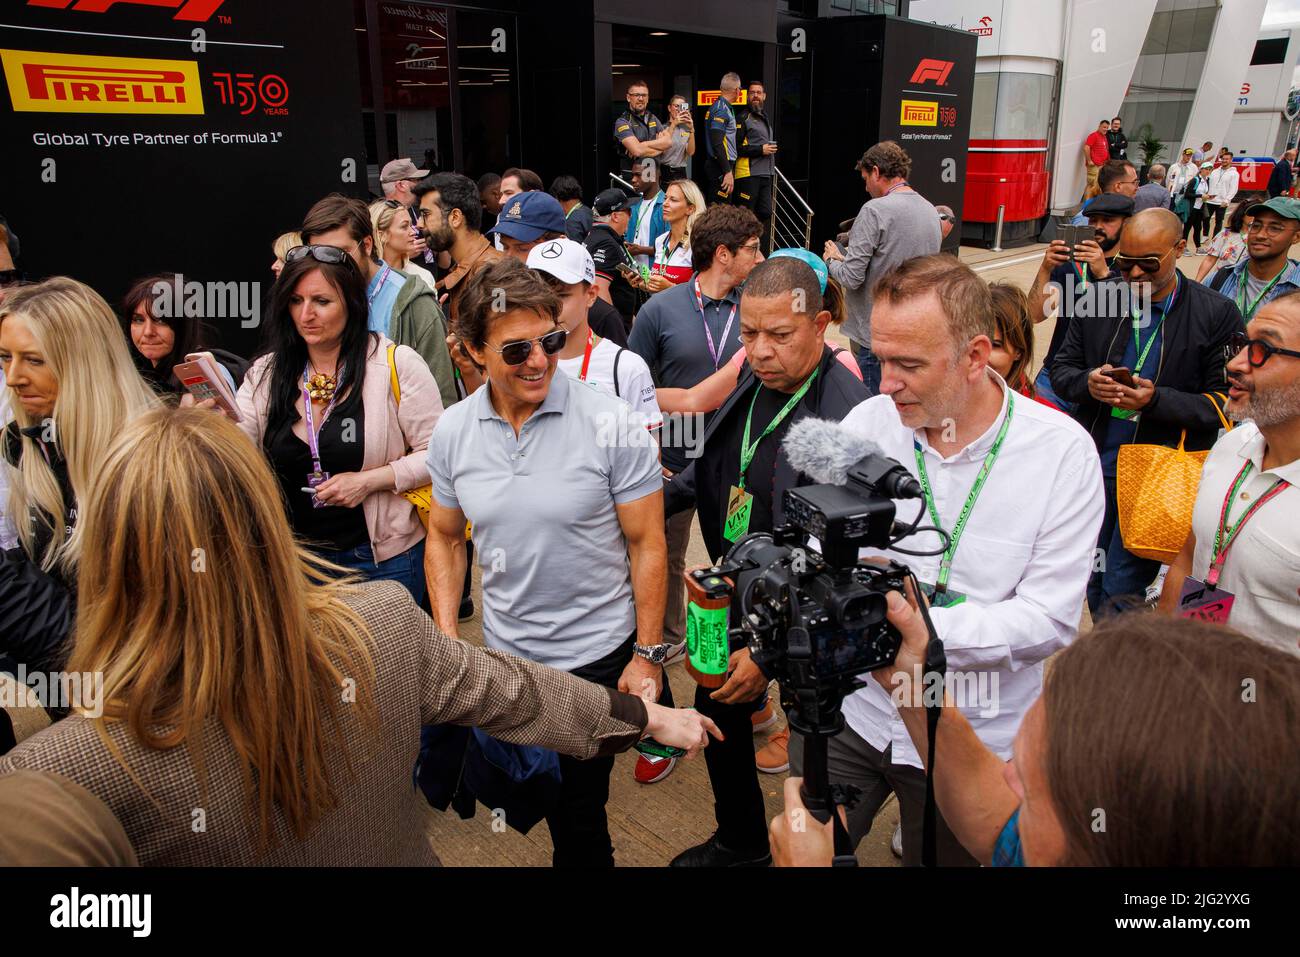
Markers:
point(1017, 488)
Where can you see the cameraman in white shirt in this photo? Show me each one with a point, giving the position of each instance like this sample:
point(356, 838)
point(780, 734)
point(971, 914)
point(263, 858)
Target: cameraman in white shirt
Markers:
point(1028, 480)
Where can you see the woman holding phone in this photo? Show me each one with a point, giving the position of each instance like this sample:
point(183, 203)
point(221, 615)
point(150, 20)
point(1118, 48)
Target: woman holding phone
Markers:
point(162, 335)
point(322, 404)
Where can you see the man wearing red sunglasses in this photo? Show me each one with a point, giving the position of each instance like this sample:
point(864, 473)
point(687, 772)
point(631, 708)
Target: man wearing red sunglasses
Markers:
point(1144, 371)
point(1241, 562)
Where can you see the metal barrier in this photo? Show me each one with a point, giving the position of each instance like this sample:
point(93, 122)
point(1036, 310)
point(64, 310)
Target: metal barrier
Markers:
point(791, 223)
point(791, 215)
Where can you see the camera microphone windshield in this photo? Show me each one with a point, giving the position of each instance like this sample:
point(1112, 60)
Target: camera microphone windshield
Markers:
point(830, 454)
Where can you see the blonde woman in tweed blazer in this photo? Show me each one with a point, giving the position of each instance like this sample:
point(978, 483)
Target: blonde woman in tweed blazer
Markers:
point(254, 710)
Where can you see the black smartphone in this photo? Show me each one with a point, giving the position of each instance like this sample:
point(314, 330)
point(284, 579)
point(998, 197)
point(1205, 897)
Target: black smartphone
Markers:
point(1121, 375)
point(1073, 235)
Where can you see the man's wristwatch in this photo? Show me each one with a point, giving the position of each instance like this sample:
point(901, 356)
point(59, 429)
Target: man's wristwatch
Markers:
point(655, 654)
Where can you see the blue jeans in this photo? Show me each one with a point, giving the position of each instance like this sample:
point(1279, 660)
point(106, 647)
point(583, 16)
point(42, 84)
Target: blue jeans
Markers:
point(1043, 386)
point(870, 367)
point(406, 567)
point(1123, 575)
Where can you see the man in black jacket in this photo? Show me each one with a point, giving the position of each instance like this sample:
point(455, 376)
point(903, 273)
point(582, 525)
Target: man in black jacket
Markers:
point(1116, 141)
point(737, 486)
point(757, 162)
point(1168, 333)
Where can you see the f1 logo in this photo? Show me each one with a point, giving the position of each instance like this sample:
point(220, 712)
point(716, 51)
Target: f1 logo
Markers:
point(936, 70)
point(192, 10)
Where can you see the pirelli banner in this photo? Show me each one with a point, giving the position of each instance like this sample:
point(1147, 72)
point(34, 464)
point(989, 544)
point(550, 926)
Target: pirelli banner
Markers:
point(888, 78)
point(175, 135)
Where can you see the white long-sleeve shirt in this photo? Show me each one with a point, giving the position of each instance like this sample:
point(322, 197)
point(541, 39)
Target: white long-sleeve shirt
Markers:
point(1223, 185)
point(1023, 561)
point(1180, 174)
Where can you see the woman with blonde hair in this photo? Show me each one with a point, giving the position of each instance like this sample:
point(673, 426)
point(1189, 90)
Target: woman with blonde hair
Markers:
point(74, 388)
point(392, 227)
point(283, 243)
point(683, 205)
point(249, 681)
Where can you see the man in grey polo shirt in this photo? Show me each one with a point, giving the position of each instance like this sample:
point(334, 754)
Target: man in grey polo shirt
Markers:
point(564, 489)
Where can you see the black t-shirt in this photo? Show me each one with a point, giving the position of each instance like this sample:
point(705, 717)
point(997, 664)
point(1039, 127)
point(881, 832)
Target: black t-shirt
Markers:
point(607, 251)
point(1073, 292)
point(607, 322)
point(333, 528)
point(577, 224)
point(760, 480)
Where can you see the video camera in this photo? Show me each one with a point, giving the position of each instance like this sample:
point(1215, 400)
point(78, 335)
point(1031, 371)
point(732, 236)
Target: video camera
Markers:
point(814, 620)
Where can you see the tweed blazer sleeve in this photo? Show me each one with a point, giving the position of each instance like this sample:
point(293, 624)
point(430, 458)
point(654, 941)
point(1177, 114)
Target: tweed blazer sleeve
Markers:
point(510, 698)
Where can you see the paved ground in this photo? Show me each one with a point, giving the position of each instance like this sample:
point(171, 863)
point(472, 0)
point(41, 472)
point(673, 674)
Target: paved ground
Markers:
point(650, 824)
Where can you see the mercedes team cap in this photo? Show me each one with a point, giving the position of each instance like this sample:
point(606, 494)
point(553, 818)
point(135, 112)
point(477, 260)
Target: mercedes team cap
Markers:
point(1110, 204)
point(612, 200)
point(564, 259)
point(529, 216)
point(1208, 164)
point(1284, 206)
point(400, 169)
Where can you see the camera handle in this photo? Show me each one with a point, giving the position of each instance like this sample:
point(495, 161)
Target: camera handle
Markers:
point(823, 801)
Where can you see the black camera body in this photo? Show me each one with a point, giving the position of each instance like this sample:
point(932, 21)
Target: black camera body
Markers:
point(813, 620)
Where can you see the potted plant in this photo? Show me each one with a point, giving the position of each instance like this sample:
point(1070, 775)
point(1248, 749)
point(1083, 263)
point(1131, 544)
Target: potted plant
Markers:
point(1150, 147)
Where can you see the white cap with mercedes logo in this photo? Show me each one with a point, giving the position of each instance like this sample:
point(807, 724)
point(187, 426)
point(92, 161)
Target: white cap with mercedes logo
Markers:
point(564, 259)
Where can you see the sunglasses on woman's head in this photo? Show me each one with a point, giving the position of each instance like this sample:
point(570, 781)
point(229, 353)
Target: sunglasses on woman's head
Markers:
point(322, 254)
point(392, 204)
point(517, 353)
point(1257, 350)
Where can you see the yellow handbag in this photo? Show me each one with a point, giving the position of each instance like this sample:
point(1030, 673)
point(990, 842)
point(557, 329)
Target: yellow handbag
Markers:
point(1155, 492)
point(422, 497)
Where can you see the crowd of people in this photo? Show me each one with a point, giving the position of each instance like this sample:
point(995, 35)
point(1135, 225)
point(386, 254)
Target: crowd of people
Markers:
point(485, 372)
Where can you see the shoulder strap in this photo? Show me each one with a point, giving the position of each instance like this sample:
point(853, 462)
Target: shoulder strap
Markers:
point(1218, 407)
point(392, 372)
point(1219, 279)
point(617, 355)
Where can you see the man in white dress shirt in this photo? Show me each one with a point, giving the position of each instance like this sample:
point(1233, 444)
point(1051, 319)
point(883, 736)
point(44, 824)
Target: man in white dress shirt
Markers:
point(1241, 563)
point(1029, 481)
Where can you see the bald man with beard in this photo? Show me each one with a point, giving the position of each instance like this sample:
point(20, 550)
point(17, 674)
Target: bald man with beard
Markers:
point(1146, 369)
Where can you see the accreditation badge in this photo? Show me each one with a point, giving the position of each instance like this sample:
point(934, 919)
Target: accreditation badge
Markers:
point(1204, 602)
point(941, 599)
point(740, 504)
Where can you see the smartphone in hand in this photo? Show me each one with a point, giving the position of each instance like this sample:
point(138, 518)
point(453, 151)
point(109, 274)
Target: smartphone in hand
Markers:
point(1121, 375)
point(1073, 235)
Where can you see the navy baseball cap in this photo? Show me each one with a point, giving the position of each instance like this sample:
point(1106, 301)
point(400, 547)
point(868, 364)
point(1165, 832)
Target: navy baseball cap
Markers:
point(528, 216)
point(1110, 204)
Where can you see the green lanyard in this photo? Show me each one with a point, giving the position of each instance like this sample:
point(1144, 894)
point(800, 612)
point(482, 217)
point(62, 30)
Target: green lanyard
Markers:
point(746, 449)
point(1144, 351)
point(945, 563)
point(1241, 294)
point(573, 209)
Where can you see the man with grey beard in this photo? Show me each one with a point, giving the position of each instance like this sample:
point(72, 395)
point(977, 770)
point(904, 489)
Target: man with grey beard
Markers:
point(1241, 563)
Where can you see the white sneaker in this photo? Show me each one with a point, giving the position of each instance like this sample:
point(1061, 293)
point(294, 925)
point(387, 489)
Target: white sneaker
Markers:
point(896, 842)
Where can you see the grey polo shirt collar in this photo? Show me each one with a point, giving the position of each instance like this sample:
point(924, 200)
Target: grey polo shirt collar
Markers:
point(556, 401)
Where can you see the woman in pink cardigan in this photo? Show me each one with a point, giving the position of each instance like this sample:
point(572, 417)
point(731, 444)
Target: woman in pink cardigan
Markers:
point(321, 405)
